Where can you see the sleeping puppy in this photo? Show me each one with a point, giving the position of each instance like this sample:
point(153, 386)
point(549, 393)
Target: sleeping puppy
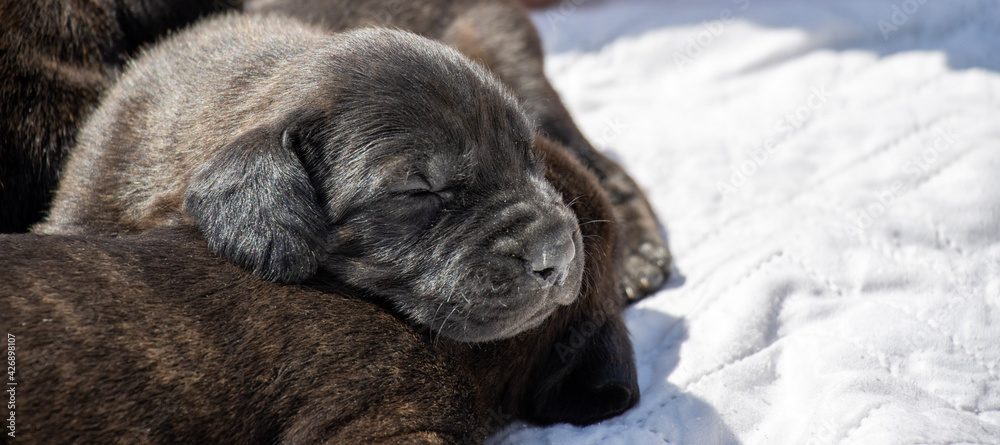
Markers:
point(152, 338)
point(377, 158)
point(56, 57)
point(499, 35)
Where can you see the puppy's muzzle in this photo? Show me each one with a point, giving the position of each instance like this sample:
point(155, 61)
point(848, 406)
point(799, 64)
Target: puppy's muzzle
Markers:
point(548, 259)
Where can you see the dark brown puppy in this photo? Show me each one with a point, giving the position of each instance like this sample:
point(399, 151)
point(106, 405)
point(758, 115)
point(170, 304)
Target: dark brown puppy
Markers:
point(499, 34)
point(153, 339)
point(380, 159)
point(56, 57)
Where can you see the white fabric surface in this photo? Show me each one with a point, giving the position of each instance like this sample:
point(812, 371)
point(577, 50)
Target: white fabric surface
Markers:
point(844, 289)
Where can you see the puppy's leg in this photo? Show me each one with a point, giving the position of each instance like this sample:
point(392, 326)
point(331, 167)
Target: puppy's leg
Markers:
point(647, 258)
point(501, 36)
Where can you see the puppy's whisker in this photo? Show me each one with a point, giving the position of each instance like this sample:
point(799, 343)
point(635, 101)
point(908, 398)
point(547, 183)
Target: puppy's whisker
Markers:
point(438, 309)
point(438, 338)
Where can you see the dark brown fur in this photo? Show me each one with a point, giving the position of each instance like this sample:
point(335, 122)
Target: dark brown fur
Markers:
point(56, 58)
point(154, 339)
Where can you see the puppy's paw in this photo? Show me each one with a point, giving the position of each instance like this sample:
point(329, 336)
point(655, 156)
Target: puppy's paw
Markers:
point(647, 257)
point(646, 270)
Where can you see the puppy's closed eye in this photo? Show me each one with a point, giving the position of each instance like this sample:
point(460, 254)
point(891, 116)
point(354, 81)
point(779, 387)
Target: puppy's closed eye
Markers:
point(426, 199)
point(420, 199)
point(255, 205)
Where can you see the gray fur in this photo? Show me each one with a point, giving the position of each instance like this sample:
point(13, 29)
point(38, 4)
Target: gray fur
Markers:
point(499, 35)
point(374, 158)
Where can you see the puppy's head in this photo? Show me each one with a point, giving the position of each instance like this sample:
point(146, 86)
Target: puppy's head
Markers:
point(403, 170)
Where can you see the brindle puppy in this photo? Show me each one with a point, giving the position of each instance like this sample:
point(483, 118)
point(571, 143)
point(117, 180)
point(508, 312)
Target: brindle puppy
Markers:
point(56, 58)
point(500, 35)
point(153, 339)
point(377, 158)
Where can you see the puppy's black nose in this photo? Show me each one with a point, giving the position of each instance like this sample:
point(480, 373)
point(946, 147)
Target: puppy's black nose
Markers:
point(549, 259)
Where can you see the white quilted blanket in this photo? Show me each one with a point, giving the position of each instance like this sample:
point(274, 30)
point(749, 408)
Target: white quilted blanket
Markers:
point(829, 175)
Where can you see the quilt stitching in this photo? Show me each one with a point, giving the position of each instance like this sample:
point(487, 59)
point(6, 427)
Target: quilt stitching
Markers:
point(958, 345)
point(898, 312)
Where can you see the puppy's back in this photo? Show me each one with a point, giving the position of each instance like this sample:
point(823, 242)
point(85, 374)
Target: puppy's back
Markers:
point(153, 339)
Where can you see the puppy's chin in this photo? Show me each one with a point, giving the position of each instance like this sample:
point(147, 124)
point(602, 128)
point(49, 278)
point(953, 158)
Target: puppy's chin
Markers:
point(499, 329)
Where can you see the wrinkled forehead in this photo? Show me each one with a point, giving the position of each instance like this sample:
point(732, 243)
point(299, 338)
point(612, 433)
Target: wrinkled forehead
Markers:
point(445, 152)
point(440, 127)
point(406, 104)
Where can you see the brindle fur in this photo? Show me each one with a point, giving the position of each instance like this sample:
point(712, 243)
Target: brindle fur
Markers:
point(153, 339)
point(56, 58)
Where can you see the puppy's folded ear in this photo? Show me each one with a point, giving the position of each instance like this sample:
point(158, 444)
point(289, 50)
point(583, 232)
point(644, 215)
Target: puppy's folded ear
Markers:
point(589, 376)
point(256, 206)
